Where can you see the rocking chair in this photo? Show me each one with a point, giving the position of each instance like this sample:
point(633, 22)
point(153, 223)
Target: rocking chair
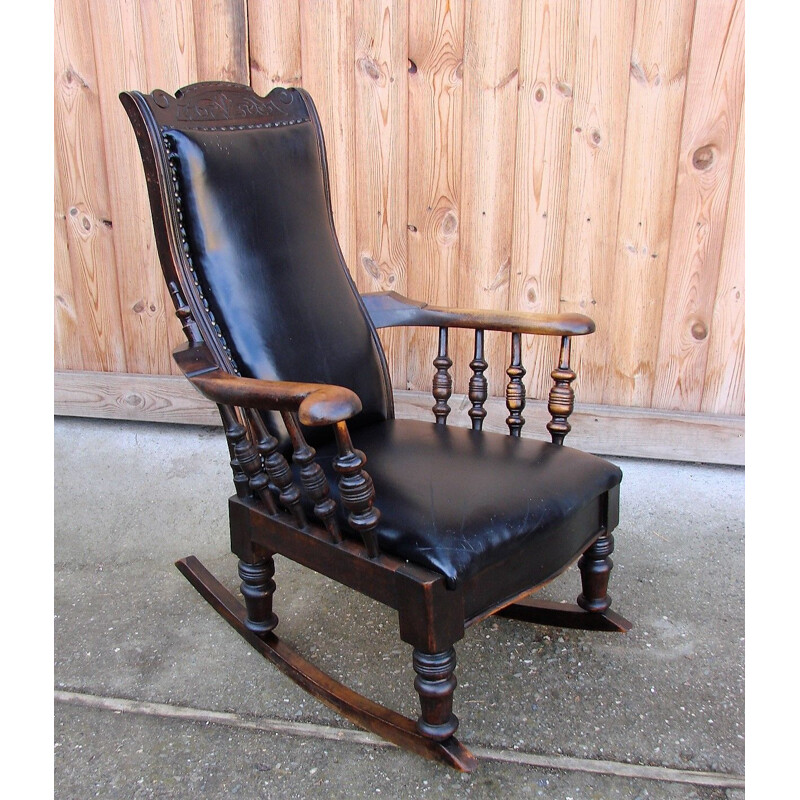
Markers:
point(450, 525)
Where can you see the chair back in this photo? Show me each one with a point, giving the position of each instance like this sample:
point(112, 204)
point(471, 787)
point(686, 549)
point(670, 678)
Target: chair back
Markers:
point(242, 216)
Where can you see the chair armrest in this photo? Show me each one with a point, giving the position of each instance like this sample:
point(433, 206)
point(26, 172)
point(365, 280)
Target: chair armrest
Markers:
point(316, 403)
point(389, 309)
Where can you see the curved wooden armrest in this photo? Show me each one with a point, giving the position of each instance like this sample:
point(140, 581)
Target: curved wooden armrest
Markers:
point(316, 403)
point(389, 309)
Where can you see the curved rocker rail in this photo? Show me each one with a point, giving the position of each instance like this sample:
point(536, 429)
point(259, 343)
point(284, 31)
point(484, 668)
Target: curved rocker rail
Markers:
point(361, 711)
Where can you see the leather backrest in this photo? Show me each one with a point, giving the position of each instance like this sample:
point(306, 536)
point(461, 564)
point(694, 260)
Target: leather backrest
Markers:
point(253, 208)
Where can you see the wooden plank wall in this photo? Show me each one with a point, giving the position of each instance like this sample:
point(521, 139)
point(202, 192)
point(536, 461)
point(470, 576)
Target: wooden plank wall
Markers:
point(570, 155)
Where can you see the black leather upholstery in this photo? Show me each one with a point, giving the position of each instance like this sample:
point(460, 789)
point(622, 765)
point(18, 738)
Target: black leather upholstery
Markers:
point(264, 250)
point(456, 500)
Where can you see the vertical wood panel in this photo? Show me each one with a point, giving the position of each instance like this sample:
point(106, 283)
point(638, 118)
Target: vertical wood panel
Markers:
point(488, 135)
point(711, 118)
point(83, 193)
point(435, 96)
point(530, 154)
point(220, 28)
point(723, 392)
point(544, 135)
point(119, 53)
point(655, 103)
point(381, 87)
point(170, 59)
point(67, 341)
point(274, 41)
point(326, 32)
point(601, 95)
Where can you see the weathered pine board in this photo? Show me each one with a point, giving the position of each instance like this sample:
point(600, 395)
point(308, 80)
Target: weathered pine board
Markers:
point(714, 94)
point(488, 137)
point(723, 391)
point(327, 46)
point(274, 42)
point(659, 58)
point(170, 59)
point(83, 197)
point(435, 101)
point(577, 110)
point(602, 79)
point(66, 336)
point(220, 32)
point(544, 137)
point(381, 157)
point(608, 430)
point(146, 317)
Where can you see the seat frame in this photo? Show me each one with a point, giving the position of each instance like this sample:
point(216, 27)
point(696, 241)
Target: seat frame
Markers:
point(267, 513)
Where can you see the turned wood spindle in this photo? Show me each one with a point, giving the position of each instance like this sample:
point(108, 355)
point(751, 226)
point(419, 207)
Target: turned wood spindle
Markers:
point(257, 588)
point(435, 684)
point(234, 431)
point(515, 391)
point(478, 385)
point(184, 314)
point(442, 380)
point(356, 490)
point(595, 566)
point(312, 477)
point(562, 397)
point(249, 461)
point(277, 468)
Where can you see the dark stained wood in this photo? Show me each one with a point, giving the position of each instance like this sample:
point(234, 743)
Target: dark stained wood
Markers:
point(389, 309)
point(358, 709)
point(268, 514)
point(564, 615)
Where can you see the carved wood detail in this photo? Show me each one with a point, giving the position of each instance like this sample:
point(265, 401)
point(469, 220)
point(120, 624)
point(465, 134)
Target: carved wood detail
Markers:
point(257, 588)
point(435, 684)
point(478, 385)
point(562, 397)
point(515, 391)
point(312, 477)
point(442, 380)
point(356, 490)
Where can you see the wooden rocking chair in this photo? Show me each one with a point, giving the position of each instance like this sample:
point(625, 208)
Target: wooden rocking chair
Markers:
point(450, 525)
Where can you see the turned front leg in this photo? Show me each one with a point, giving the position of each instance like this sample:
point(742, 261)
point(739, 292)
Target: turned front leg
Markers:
point(257, 589)
point(435, 684)
point(595, 566)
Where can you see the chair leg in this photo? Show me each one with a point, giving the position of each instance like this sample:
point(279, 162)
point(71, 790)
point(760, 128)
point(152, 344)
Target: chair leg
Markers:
point(257, 589)
point(435, 684)
point(595, 566)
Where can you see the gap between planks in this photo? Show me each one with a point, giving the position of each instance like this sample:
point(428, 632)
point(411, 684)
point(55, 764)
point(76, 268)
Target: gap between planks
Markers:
point(312, 730)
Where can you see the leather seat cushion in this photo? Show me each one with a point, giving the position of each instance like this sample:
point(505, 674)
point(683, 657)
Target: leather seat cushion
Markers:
point(457, 501)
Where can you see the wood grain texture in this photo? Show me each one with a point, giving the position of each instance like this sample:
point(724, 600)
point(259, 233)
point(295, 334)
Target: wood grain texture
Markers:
point(220, 32)
point(66, 335)
point(658, 66)
point(602, 77)
point(327, 40)
point(83, 194)
point(723, 391)
point(381, 153)
point(714, 94)
point(607, 430)
point(435, 101)
point(170, 59)
point(274, 41)
point(488, 136)
point(544, 137)
point(119, 55)
point(542, 114)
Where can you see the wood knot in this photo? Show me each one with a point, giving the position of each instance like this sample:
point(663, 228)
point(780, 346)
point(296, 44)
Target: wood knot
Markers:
point(699, 331)
point(564, 89)
point(139, 306)
point(539, 94)
point(596, 138)
point(412, 67)
point(370, 68)
point(703, 158)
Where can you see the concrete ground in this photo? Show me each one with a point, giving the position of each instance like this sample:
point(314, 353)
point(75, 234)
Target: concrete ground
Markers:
point(156, 697)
